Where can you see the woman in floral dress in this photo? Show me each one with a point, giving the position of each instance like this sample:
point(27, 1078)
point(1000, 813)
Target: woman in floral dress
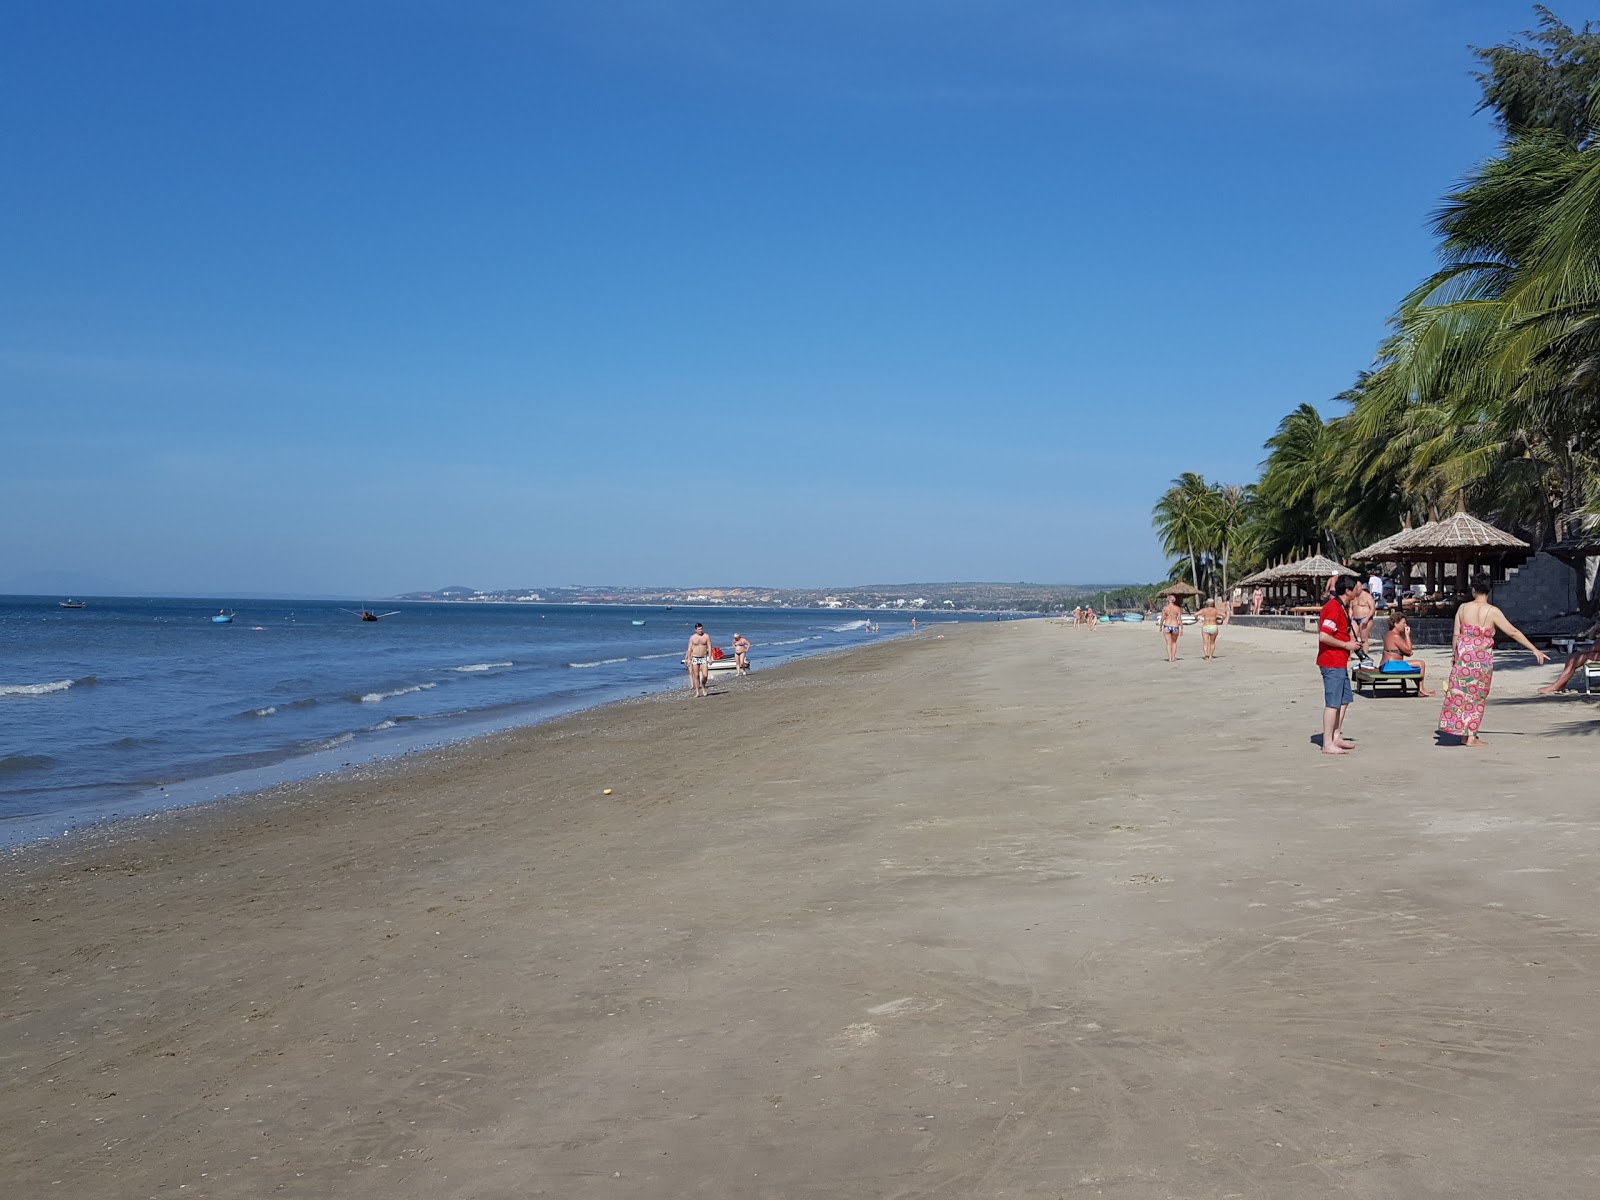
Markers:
point(1472, 668)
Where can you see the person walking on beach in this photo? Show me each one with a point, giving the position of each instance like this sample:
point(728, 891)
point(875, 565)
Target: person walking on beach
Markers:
point(1472, 667)
point(698, 656)
point(1171, 623)
point(1257, 599)
point(1212, 619)
point(1575, 660)
point(1334, 644)
point(741, 651)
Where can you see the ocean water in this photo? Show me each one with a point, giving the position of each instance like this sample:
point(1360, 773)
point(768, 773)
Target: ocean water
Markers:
point(135, 705)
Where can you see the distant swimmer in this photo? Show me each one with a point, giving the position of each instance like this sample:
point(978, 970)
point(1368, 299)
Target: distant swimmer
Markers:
point(913, 624)
point(698, 658)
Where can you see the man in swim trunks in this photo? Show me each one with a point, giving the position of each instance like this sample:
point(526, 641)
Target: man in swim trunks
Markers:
point(1397, 649)
point(1362, 609)
point(1171, 623)
point(698, 656)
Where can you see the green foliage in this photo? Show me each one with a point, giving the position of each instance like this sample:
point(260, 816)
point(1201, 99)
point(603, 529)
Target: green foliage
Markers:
point(1486, 393)
point(1544, 82)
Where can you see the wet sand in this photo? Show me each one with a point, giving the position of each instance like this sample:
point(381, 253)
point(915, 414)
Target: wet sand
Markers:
point(1021, 911)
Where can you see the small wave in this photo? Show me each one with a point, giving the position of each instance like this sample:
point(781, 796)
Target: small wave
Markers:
point(308, 702)
point(342, 740)
point(475, 667)
point(383, 725)
point(36, 689)
point(378, 697)
point(848, 627)
point(132, 743)
point(604, 662)
point(793, 641)
point(261, 712)
point(669, 654)
point(13, 763)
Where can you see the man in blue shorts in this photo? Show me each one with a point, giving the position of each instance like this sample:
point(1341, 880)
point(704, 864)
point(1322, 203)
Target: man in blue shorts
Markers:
point(1334, 644)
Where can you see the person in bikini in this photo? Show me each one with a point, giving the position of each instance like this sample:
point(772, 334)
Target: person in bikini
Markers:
point(1212, 619)
point(741, 649)
point(698, 658)
point(1171, 624)
point(1397, 649)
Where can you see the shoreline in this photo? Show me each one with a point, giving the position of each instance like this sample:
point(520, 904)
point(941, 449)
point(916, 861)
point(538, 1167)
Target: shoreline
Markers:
point(239, 785)
point(998, 912)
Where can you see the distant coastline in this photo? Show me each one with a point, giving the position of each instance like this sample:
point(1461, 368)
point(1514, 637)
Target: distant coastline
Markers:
point(931, 597)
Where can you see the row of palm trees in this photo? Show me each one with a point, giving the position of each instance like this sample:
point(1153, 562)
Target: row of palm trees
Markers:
point(1486, 393)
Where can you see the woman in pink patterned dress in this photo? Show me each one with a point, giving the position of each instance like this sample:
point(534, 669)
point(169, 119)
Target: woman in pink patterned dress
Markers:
point(1472, 668)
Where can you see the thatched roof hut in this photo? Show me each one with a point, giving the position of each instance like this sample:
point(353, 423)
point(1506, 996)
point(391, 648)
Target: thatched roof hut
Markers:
point(1461, 538)
point(1179, 588)
point(1317, 566)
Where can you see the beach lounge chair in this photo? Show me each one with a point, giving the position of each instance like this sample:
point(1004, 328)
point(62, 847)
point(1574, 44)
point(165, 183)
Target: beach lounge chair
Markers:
point(1371, 677)
point(1590, 674)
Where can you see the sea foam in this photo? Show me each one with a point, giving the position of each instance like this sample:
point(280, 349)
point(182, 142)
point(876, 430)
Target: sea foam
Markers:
point(35, 689)
point(474, 667)
point(604, 662)
point(377, 697)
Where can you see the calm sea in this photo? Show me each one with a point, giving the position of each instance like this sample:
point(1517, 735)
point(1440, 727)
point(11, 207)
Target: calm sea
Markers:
point(135, 705)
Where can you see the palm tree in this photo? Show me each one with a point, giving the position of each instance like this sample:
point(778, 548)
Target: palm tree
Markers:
point(1179, 517)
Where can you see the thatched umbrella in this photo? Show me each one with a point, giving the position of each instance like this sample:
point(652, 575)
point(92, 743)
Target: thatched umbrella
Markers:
point(1462, 539)
point(1179, 588)
point(1309, 571)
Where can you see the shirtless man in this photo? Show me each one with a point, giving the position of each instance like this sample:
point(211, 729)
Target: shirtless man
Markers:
point(1171, 623)
point(1397, 648)
point(1077, 617)
point(1362, 609)
point(698, 657)
point(741, 648)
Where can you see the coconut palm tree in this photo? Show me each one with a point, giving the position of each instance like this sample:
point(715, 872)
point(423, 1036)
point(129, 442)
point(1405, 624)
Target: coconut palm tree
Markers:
point(1180, 520)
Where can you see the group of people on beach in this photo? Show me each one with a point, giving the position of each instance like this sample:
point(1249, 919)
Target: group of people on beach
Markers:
point(1084, 617)
point(1339, 635)
point(700, 652)
point(1211, 618)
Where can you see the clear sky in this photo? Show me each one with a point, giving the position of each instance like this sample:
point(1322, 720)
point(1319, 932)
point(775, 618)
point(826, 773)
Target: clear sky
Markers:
point(366, 297)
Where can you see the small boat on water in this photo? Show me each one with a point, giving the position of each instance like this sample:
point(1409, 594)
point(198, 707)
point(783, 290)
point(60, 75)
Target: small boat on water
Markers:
point(369, 615)
point(73, 604)
point(223, 617)
point(636, 622)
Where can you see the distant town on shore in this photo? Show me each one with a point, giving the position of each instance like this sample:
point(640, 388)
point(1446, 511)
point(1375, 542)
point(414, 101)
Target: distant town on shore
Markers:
point(953, 597)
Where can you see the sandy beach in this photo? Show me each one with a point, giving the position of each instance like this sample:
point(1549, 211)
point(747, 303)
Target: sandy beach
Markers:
point(1017, 911)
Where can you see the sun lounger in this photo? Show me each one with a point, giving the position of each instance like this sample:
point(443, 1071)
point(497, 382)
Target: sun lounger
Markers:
point(1371, 677)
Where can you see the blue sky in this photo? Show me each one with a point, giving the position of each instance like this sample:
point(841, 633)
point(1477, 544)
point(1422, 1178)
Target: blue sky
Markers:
point(367, 297)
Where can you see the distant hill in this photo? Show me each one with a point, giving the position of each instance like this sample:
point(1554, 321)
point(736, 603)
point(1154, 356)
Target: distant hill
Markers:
point(983, 597)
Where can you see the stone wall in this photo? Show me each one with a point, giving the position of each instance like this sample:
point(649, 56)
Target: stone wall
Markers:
point(1542, 589)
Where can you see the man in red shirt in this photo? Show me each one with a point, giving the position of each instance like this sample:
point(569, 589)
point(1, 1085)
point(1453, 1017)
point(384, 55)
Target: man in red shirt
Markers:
point(1334, 644)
